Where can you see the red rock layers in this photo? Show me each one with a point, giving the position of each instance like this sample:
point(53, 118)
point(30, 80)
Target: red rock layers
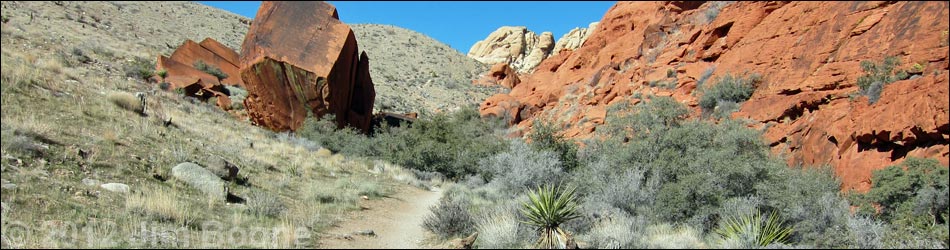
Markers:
point(808, 53)
point(297, 58)
point(182, 74)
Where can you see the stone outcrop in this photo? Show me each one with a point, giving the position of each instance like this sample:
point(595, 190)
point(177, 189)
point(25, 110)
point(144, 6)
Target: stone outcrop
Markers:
point(299, 58)
point(213, 53)
point(499, 74)
point(574, 38)
point(192, 82)
point(182, 74)
point(517, 46)
point(809, 55)
point(522, 49)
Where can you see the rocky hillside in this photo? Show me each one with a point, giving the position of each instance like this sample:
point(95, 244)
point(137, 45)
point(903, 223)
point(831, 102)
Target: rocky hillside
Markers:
point(86, 163)
point(415, 73)
point(523, 49)
point(810, 56)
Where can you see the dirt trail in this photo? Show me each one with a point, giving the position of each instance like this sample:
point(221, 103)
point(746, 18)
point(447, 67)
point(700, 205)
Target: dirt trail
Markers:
point(396, 221)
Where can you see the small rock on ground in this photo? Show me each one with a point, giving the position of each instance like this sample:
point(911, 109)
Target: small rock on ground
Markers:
point(115, 187)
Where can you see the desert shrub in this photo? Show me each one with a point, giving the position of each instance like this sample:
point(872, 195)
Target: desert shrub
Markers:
point(325, 133)
point(210, 69)
point(866, 232)
point(522, 167)
point(545, 136)
point(704, 76)
point(809, 200)
point(265, 204)
point(162, 73)
point(451, 144)
point(367, 188)
point(139, 68)
point(689, 168)
point(913, 198)
point(303, 142)
point(724, 109)
point(615, 232)
point(164, 86)
point(450, 218)
point(498, 229)
point(729, 88)
point(624, 188)
point(448, 143)
point(878, 75)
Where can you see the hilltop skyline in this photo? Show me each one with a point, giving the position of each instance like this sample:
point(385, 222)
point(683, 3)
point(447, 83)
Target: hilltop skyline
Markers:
point(458, 24)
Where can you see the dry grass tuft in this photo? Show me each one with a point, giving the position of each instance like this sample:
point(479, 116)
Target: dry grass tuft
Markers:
point(160, 204)
point(127, 101)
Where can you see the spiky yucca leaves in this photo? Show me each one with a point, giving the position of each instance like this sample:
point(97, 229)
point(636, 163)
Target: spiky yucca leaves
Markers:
point(548, 209)
point(752, 230)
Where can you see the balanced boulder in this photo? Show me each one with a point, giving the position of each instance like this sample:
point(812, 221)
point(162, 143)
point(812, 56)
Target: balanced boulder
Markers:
point(298, 57)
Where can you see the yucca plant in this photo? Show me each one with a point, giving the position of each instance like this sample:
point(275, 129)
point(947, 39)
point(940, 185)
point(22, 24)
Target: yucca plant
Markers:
point(548, 209)
point(752, 230)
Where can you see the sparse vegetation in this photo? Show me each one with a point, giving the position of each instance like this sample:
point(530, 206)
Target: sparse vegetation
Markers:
point(139, 68)
point(729, 88)
point(265, 204)
point(877, 76)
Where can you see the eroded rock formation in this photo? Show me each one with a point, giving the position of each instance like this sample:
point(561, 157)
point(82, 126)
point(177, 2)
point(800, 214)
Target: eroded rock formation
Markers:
point(517, 46)
point(809, 54)
point(522, 49)
point(574, 38)
point(298, 58)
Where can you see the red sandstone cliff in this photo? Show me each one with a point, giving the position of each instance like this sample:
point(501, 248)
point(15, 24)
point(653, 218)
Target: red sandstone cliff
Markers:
point(808, 53)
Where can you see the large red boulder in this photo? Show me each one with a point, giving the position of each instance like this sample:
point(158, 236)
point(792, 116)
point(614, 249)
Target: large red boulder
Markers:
point(809, 55)
point(298, 58)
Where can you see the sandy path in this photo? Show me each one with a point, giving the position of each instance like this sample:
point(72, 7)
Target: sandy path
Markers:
point(396, 220)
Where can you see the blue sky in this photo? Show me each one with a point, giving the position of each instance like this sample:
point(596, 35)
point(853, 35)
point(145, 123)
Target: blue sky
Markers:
point(458, 24)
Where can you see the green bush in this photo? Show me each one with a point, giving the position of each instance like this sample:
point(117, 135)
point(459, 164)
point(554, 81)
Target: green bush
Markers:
point(729, 88)
point(140, 68)
point(662, 166)
point(877, 76)
point(451, 144)
point(913, 198)
point(210, 69)
point(324, 132)
point(545, 136)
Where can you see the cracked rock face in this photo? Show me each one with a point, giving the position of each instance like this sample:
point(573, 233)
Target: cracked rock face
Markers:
point(523, 49)
point(809, 55)
point(299, 58)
